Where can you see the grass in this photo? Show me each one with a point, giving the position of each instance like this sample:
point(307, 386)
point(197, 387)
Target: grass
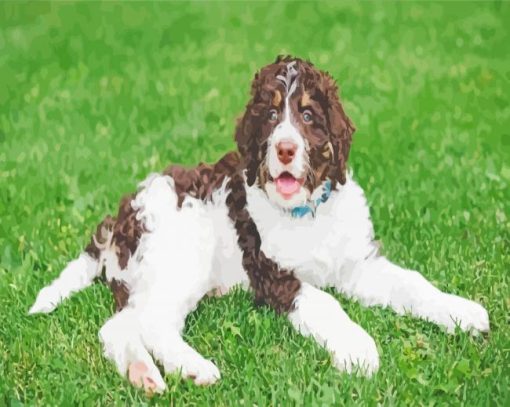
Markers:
point(95, 96)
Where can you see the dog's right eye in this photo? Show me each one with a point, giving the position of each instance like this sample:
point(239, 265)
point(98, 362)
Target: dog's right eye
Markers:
point(273, 115)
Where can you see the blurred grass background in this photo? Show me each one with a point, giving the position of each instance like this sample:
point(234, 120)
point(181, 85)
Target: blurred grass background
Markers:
point(94, 96)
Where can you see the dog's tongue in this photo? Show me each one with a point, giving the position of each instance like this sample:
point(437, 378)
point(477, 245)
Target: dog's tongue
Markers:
point(287, 185)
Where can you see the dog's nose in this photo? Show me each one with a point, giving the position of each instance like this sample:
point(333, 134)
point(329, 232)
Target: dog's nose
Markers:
point(286, 151)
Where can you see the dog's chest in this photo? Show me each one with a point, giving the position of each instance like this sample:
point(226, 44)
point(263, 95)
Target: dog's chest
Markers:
point(305, 245)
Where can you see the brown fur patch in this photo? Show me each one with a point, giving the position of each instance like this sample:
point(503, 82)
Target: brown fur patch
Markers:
point(201, 181)
point(272, 285)
point(120, 294)
point(125, 232)
point(100, 237)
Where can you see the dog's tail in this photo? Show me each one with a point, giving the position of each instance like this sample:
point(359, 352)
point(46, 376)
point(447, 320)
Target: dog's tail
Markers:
point(78, 274)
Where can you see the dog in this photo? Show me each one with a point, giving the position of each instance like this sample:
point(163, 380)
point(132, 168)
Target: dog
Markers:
point(282, 216)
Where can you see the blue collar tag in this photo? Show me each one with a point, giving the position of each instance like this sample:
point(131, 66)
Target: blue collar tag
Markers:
point(311, 207)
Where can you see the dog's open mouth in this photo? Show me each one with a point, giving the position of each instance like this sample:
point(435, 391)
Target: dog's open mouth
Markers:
point(287, 185)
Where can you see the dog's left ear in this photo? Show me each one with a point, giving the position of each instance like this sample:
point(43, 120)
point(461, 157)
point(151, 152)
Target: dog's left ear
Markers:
point(341, 130)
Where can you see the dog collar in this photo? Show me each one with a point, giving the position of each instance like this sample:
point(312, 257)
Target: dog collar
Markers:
point(311, 207)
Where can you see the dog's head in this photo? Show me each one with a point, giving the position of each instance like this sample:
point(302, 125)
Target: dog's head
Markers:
point(294, 134)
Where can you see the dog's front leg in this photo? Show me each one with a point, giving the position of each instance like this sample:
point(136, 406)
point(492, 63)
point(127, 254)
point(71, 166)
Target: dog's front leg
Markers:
point(319, 315)
point(312, 312)
point(377, 281)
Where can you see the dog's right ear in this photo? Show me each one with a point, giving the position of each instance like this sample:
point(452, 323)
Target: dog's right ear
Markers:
point(247, 142)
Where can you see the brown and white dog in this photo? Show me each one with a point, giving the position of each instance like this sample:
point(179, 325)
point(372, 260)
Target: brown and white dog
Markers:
point(281, 216)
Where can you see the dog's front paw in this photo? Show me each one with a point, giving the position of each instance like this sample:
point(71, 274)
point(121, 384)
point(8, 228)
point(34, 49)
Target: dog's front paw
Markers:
point(148, 377)
point(468, 315)
point(354, 350)
point(202, 371)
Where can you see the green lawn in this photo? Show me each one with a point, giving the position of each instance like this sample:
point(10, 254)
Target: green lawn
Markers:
point(95, 96)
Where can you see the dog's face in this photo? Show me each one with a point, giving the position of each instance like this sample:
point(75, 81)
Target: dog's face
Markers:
point(294, 134)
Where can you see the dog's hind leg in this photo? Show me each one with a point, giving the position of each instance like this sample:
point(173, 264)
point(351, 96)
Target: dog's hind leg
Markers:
point(77, 275)
point(181, 275)
point(123, 345)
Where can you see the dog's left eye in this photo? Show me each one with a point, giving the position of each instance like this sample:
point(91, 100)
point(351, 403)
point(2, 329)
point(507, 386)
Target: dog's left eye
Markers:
point(307, 116)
